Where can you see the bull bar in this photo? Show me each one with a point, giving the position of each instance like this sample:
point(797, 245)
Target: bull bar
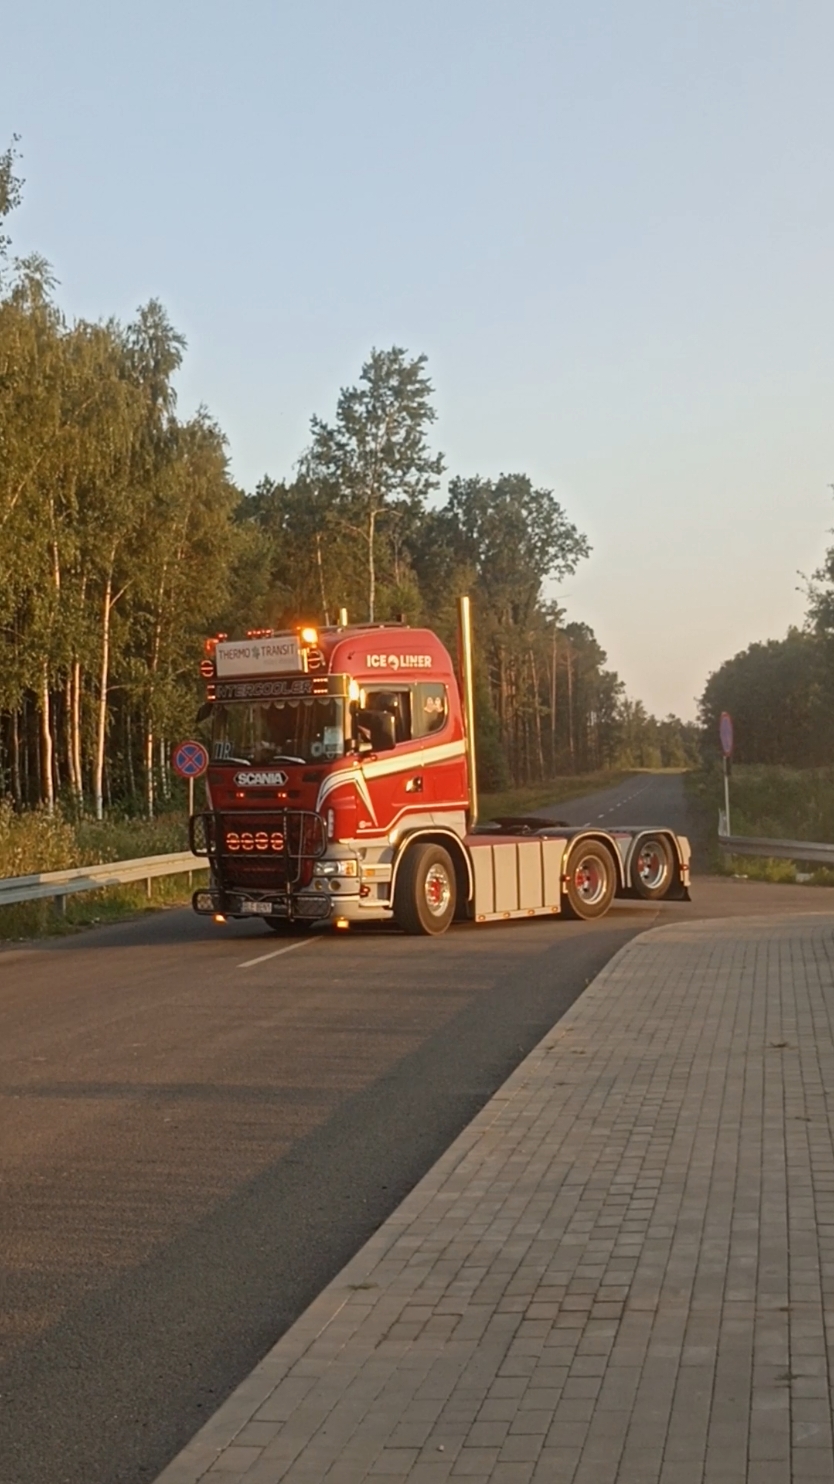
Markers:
point(284, 839)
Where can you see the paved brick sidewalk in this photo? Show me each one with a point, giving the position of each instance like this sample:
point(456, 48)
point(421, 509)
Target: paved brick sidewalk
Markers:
point(622, 1272)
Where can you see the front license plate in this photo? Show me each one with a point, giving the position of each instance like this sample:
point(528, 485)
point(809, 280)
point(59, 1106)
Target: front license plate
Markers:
point(263, 908)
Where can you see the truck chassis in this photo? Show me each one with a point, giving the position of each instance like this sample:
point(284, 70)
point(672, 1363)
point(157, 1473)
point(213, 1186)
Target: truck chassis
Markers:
point(427, 878)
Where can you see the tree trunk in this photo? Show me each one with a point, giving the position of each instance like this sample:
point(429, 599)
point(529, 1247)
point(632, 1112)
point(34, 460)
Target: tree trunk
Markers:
point(553, 663)
point(149, 789)
point(26, 792)
point(14, 749)
point(131, 778)
point(104, 680)
point(77, 761)
point(164, 782)
point(47, 787)
point(571, 742)
point(538, 715)
point(371, 566)
point(322, 591)
point(68, 737)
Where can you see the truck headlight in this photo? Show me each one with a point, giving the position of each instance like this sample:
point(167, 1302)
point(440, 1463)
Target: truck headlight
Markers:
point(336, 868)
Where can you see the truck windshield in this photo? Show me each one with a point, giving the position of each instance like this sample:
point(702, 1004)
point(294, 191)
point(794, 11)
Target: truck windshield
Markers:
point(307, 730)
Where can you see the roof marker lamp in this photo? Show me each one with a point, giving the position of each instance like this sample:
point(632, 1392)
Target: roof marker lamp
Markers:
point(309, 636)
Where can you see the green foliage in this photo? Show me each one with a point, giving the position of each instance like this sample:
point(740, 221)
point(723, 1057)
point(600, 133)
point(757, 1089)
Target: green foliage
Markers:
point(779, 694)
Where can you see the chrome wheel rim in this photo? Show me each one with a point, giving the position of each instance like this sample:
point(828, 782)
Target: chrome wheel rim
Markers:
point(651, 866)
point(438, 890)
point(590, 880)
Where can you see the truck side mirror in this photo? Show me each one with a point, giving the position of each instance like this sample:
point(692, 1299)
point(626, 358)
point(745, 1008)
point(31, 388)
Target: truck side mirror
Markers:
point(377, 730)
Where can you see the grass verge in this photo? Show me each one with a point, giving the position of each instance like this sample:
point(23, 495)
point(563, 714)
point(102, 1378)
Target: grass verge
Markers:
point(92, 908)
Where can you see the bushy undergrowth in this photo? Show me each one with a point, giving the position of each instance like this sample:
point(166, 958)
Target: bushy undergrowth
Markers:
point(771, 802)
point(36, 841)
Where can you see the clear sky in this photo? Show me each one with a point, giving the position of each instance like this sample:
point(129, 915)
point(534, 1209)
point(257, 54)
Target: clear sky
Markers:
point(609, 226)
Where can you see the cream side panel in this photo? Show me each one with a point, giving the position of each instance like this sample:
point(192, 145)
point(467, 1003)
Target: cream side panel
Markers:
point(505, 866)
point(530, 873)
point(553, 854)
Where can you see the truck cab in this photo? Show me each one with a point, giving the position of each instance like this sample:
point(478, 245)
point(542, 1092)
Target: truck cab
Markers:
point(329, 748)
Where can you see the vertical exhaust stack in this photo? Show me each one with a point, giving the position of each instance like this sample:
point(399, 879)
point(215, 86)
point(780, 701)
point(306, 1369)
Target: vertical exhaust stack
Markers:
point(467, 677)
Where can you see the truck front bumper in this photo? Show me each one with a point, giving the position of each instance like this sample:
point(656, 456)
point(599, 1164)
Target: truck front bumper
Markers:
point(308, 906)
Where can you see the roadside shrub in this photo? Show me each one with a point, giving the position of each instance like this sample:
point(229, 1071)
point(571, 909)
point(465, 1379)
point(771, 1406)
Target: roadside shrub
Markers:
point(34, 841)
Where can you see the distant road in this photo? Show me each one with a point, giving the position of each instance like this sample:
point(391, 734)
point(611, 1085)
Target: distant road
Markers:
point(199, 1125)
point(643, 798)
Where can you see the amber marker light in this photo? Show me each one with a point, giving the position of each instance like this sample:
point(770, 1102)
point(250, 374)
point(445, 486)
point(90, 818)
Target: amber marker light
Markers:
point(341, 923)
point(218, 917)
point(309, 636)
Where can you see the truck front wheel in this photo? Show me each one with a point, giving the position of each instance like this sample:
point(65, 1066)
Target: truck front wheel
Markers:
point(424, 896)
point(591, 880)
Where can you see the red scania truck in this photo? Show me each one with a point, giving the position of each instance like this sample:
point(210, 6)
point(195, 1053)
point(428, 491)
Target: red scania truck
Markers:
point(342, 787)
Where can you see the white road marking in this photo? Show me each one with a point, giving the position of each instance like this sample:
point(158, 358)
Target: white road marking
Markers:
point(291, 947)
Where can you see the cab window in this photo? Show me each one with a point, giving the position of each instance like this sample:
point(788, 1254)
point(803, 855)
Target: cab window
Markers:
point(398, 703)
point(429, 708)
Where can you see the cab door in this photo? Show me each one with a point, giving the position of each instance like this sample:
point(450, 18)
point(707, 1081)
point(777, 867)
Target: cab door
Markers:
point(444, 757)
point(395, 778)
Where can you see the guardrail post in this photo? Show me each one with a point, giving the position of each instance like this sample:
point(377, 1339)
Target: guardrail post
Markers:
point(149, 887)
point(59, 905)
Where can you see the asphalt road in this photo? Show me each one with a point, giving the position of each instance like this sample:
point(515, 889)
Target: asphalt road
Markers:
point(200, 1125)
point(643, 799)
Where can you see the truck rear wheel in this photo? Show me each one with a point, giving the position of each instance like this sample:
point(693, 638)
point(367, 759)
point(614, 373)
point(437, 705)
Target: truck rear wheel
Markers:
point(591, 880)
point(652, 868)
point(426, 890)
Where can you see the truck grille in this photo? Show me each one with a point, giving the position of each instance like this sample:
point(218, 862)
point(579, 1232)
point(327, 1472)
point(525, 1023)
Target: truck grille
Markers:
point(270, 849)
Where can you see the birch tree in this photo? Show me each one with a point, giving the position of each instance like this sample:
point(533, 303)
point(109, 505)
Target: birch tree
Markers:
point(375, 457)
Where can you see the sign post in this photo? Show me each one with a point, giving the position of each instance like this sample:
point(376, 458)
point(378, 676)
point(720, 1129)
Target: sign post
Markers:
point(725, 728)
point(190, 760)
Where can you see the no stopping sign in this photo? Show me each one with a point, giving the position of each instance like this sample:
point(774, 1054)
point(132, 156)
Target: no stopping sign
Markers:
point(189, 759)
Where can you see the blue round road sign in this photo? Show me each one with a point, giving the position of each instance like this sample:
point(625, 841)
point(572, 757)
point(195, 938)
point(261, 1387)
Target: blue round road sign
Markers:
point(190, 759)
point(725, 727)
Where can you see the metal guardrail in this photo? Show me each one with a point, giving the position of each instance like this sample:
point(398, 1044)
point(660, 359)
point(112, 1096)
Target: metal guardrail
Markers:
point(61, 884)
point(810, 852)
